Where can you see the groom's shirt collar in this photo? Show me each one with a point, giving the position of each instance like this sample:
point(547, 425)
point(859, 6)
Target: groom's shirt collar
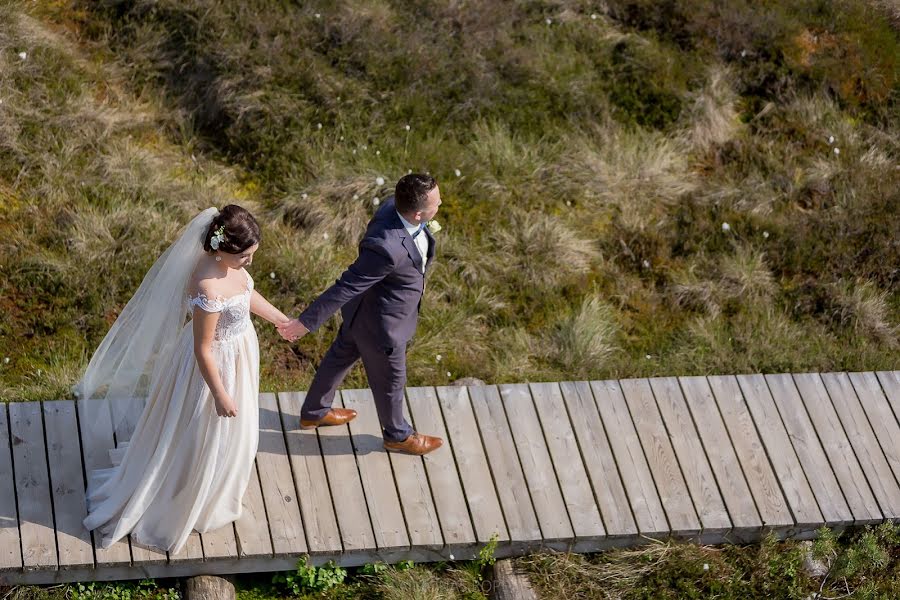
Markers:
point(410, 228)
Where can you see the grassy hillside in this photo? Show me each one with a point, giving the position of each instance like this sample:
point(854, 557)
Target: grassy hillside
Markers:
point(630, 187)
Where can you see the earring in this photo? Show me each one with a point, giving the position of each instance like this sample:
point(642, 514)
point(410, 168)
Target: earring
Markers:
point(218, 259)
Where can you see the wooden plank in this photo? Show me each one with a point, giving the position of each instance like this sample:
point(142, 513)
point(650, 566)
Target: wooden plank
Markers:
point(549, 504)
point(10, 546)
point(478, 485)
point(500, 450)
point(890, 383)
point(375, 472)
point(251, 530)
point(192, 552)
point(422, 520)
point(96, 442)
point(695, 467)
point(573, 480)
point(346, 488)
point(837, 448)
point(720, 451)
point(311, 482)
point(73, 541)
point(32, 486)
point(278, 491)
point(126, 413)
point(449, 500)
point(599, 460)
point(770, 501)
point(219, 543)
point(886, 427)
point(864, 442)
point(673, 490)
point(626, 446)
point(809, 451)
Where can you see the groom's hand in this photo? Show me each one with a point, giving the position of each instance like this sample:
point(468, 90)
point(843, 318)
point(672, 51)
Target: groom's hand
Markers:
point(293, 330)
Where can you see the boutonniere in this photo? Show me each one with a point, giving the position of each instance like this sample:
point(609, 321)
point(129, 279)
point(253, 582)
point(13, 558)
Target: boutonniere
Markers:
point(434, 226)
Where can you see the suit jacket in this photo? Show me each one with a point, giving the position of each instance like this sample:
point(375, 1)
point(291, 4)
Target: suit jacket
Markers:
point(380, 293)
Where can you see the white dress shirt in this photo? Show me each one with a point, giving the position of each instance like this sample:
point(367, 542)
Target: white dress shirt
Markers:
point(420, 240)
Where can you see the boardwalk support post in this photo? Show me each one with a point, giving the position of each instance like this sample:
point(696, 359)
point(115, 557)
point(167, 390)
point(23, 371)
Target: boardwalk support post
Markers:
point(208, 587)
point(508, 583)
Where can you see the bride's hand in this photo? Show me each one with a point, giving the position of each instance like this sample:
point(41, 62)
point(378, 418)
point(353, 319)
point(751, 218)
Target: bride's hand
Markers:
point(225, 407)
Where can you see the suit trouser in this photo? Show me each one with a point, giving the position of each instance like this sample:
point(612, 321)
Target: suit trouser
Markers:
point(386, 370)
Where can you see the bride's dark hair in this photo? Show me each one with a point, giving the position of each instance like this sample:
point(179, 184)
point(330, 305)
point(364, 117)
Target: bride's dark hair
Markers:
point(241, 230)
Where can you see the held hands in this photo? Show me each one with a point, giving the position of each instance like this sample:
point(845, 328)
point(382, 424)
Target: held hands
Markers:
point(293, 330)
point(225, 406)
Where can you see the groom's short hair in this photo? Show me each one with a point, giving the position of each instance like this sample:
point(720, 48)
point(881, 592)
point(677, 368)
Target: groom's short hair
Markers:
point(411, 193)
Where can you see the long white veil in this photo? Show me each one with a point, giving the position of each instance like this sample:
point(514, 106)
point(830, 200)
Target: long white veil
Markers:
point(127, 362)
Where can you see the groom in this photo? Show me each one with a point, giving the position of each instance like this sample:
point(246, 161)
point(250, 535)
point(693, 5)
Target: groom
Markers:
point(379, 296)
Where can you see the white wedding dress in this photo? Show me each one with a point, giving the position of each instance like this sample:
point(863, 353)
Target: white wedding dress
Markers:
point(185, 468)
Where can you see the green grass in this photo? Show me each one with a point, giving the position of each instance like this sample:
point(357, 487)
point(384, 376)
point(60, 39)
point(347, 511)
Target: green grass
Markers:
point(599, 157)
point(861, 565)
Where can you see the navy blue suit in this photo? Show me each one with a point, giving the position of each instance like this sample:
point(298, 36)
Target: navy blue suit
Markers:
point(379, 296)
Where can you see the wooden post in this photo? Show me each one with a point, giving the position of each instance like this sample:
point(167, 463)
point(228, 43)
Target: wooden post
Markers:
point(208, 587)
point(508, 583)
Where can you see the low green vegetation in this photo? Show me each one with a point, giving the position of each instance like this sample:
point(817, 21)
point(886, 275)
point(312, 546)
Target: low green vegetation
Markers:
point(861, 565)
point(631, 188)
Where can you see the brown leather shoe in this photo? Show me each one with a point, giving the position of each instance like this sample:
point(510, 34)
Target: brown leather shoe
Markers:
point(335, 416)
point(417, 443)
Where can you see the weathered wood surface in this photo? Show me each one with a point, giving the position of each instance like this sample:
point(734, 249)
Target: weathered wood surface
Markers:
point(569, 465)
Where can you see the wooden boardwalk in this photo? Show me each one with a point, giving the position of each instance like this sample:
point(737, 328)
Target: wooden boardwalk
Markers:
point(572, 465)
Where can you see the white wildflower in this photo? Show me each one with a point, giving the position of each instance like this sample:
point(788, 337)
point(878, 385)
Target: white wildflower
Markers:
point(41, 372)
point(303, 195)
point(837, 150)
point(365, 147)
point(457, 172)
point(409, 171)
point(549, 21)
point(766, 234)
point(406, 127)
point(6, 361)
point(318, 126)
point(451, 557)
point(649, 357)
point(378, 153)
point(325, 235)
point(23, 55)
point(318, 15)
point(646, 264)
point(356, 196)
point(743, 53)
point(705, 567)
point(342, 138)
point(726, 227)
point(830, 139)
point(593, 16)
point(354, 151)
point(568, 203)
point(438, 358)
point(376, 201)
point(379, 181)
point(272, 275)
point(449, 374)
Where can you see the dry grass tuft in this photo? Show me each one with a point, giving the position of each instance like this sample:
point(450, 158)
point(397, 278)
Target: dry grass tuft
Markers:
point(584, 342)
point(865, 309)
point(540, 250)
point(713, 115)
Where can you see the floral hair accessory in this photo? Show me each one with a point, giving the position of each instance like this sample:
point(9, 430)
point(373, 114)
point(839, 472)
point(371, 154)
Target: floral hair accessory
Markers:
point(217, 238)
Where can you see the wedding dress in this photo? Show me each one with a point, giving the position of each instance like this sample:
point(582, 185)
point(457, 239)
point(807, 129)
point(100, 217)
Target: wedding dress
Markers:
point(185, 468)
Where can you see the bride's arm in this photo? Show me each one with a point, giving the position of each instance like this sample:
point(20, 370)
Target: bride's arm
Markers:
point(204, 324)
point(260, 306)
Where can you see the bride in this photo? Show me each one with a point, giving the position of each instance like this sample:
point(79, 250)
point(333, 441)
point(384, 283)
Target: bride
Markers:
point(189, 459)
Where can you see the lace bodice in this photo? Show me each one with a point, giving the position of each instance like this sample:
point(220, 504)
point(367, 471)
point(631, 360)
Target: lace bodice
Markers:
point(235, 311)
